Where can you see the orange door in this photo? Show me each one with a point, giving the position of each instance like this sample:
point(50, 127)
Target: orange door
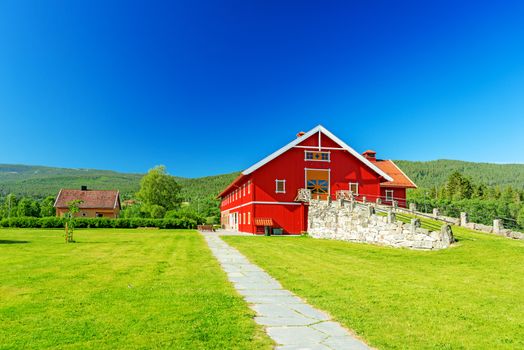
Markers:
point(317, 180)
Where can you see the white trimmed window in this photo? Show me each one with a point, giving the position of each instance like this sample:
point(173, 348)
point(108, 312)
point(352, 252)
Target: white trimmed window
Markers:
point(280, 186)
point(353, 188)
point(243, 218)
point(249, 187)
point(317, 156)
point(249, 218)
point(389, 195)
point(244, 190)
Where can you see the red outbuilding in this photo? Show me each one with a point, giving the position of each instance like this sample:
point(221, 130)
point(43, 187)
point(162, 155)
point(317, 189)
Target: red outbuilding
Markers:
point(265, 197)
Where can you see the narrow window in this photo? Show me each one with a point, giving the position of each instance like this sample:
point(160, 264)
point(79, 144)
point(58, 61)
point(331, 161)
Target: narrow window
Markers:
point(249, 187)
point(353, 188)
point(280, 186)
point(389, 195)
point(244, 190)
point(249, 218)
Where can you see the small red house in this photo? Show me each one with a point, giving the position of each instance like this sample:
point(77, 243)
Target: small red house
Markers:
point(264, 196)
point(94, 203)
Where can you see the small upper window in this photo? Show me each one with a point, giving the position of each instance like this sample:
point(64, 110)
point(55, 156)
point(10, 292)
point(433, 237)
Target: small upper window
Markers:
point(353, 188)
point(280, 186)
point(317, 156)
point(389, 195)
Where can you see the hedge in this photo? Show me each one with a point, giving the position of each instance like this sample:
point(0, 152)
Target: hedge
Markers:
point(55, 222)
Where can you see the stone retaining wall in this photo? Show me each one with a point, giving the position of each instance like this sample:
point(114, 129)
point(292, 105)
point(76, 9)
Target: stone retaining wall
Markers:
point(349, 221)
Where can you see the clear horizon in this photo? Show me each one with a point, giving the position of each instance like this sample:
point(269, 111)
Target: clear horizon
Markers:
point(211, 87)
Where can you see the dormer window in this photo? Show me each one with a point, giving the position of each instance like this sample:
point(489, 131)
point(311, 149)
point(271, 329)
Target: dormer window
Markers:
point(317, 156)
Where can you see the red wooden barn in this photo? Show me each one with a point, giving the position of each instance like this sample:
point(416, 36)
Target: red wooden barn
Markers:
point(264, 196)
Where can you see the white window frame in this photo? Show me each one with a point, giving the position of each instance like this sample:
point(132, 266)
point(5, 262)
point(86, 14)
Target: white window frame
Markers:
point(317, 160)
point(249, 187)
point(392, 198)
point(243, 218)
point(249, 218)
point(277, 181)
point(244, 190)
point(356, 192)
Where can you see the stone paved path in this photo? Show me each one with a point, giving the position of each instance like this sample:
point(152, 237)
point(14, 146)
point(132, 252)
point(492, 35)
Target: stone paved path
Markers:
point(292, 323)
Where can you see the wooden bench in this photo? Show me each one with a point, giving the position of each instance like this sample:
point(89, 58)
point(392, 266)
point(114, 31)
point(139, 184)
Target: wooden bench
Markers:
point(205, 228)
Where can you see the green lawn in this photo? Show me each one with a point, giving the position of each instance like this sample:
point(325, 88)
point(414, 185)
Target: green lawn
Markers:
point(470, 296)
point(118, 289)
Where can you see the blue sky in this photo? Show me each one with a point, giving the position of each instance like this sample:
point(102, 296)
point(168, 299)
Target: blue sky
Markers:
point(208, 87)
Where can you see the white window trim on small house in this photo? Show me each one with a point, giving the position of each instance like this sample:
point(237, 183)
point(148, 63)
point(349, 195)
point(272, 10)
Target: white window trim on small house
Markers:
point(389, 195)
point(283, 182)
point(356, 184)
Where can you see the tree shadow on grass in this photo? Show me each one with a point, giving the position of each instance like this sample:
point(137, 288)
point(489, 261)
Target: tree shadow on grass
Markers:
point(8, 241)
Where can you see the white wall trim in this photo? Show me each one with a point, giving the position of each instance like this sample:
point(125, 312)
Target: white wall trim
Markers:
point(262, 202)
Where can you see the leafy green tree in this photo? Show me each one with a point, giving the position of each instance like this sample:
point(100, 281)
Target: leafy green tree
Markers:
point(47, 208)
point(157, 211)
point(10, 205)
point(74, 207)
point(157, 188)
point(520, 217)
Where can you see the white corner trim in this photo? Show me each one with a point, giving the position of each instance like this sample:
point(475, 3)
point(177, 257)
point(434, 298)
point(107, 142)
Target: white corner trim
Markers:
point(116, 199)
point(319, 129)
point(56, 200)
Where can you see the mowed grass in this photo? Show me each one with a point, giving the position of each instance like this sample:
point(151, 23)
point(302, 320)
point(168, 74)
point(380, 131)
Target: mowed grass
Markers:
point(470, 296)
point(118, 289)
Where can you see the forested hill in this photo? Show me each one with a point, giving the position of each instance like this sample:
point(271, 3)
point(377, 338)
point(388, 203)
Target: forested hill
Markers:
point(40, 181)
point(436, 172)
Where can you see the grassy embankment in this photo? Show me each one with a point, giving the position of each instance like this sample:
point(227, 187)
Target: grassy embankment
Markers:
point(465, 297)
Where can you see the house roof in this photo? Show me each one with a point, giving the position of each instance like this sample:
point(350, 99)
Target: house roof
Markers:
point(318, 128)
point(400, 179)
point(301, 137)
point(91, 199)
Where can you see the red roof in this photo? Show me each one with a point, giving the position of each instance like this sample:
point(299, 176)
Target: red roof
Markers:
point(91, 199)
point(399, 178)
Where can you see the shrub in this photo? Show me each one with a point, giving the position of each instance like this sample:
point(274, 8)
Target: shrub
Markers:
point(56, 222)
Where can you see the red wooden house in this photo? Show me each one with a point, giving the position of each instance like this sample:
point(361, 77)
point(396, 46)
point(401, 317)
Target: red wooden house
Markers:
point(264, 196)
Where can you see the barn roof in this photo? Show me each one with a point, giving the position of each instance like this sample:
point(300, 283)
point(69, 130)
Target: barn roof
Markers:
point(400, 179)
point(301, 137)
point(308, 134)
point(91, 199)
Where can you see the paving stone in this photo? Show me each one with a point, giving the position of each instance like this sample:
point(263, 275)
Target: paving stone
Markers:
point(284, 321)
point(310, 311)
point(272, 310)
point(345, 343)
point(295, 335)
point(330, 328)
point(303, 347)
point(290, 321)
point(273, 299)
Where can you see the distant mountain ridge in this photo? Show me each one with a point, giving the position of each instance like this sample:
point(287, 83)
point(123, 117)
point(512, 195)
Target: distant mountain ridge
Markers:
point(41, 181)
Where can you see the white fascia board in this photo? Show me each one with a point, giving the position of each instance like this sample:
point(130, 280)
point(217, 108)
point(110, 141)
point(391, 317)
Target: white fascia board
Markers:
point(318, 128)
point(355, 153)
point(281, 151)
